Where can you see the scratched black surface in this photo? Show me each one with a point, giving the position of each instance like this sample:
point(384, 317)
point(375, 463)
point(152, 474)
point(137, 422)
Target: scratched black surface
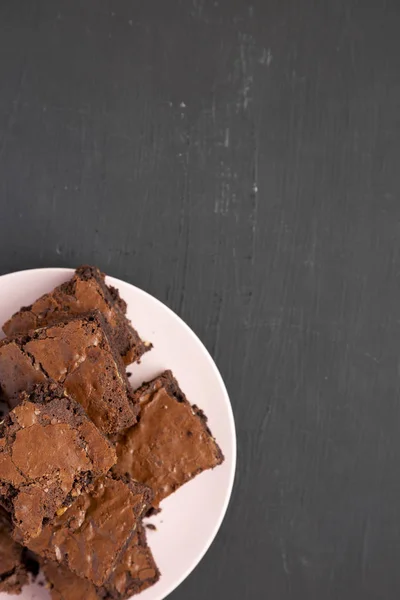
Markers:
point(240, 161)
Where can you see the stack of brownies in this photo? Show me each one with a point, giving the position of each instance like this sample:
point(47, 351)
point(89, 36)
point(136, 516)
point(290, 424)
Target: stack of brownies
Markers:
point(83, 457)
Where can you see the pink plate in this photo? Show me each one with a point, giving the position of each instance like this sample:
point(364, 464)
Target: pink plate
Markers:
point(191, 517)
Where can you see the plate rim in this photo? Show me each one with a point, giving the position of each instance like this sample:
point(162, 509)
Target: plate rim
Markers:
point(232, 472)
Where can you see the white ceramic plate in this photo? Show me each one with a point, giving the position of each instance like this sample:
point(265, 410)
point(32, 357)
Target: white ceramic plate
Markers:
point(191, 517)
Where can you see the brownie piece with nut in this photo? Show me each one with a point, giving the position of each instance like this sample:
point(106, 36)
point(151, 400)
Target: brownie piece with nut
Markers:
point(85, 292)
point(93, 533)
point(50, 453)
point(13, 574)
point(135, 572)
point(77, 354)
point(171, 443)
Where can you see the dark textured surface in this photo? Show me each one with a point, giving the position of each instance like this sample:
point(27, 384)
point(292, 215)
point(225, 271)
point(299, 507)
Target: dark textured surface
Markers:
point(240, 161)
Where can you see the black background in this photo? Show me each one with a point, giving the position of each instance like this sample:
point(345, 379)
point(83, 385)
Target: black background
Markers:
point(240, 161)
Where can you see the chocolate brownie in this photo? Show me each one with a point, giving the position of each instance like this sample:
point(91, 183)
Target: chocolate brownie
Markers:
point(49, 454)
point(171, 443)
point(92, 534)
point(78, 355)
point(135, 572)
point(85, 292)
point(13, 574)
point(63, 584)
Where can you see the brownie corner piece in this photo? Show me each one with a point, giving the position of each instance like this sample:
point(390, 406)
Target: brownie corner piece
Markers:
point(172, 442)
point(125, 338)
point(111, 511)
point(13, 573)
point(50, 453)
point(84, 292)
point(135, 571)
point(78, 354)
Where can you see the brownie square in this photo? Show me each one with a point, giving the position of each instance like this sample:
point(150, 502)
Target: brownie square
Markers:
point(78, 355)
point(135, 572)
point(13, 574)
point(49, 454)
point(85, 292)
point(92, 534)
point(171, 443)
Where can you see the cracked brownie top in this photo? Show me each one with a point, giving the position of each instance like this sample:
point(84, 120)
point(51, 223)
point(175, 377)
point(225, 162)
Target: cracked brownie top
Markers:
point(91, 536)
point(49, 454)
point(171, 444)
point(135, 572)
point(86, 291)
point(79, 355)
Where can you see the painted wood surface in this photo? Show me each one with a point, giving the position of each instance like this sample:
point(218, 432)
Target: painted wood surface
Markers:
point(240, 161)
